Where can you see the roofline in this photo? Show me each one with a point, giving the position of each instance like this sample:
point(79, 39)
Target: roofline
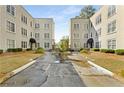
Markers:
point(31, 15)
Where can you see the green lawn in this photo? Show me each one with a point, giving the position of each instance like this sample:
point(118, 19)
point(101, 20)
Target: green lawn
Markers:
point(11, 61)
point(112, 62)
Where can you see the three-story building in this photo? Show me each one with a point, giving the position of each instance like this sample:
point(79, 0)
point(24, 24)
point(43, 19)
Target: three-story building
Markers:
point(18, 29)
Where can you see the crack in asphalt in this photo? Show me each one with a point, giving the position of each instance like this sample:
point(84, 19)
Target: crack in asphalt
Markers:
point(45, 80)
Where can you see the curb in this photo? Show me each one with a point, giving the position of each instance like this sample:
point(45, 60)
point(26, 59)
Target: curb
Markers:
point(101, 69)
point(105, 71)
point(78, 73)
point(14, 72)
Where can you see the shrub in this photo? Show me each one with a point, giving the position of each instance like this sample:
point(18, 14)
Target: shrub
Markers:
point(119, 51)
point(81, 49)
point(96, 49)
point(14, 49)
point(19, 49)
point(28, 49)
point(107, 50)
point(1, 51)
point(11, 50)
point(85, 51)
point(39, 50)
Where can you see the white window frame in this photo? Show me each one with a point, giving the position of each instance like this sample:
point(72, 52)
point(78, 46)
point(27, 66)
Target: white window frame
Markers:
point(10, 9)
point(10, 43)
point(111, 43)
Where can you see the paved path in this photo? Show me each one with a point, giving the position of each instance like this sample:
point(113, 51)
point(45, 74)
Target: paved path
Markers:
point(46, 73)
point(93, 78)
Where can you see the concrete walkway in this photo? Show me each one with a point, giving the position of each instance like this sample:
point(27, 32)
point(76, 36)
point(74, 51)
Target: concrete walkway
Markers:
point(92, 77)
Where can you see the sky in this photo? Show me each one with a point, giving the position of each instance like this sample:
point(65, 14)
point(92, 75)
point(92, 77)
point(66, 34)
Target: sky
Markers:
point(60, 13)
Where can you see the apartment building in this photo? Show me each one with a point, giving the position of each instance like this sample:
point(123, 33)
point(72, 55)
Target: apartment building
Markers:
point(108, 22)
point(18, 29)
point(82, 34)
point(106, 29)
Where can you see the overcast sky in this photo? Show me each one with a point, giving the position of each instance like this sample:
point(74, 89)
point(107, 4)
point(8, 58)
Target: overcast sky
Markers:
point(60, 14)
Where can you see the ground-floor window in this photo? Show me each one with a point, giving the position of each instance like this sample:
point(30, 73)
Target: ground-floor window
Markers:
point(46, 45)
point(85, 45)
point(38, 45)
point(24, 44)
point(10, 43)
point(76, 44)
point(97, 44)
point(112, 44)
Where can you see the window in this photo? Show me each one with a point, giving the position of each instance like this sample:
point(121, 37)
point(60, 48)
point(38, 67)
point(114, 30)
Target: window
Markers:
point(111, 10)
point(97, 44)
point(96, 34)
point(31, 23)
point(24, 32)
point(46, 26)
point(85, 35)
point(85, 45)
point(91, 25)
point(37, 25)
point(112, 44)
point(10, 43)
point(24, 19)
point(46, 35)
point(38, 45)
point(76, 44)
point(31, 34)
point(91, 34)
point(112, 26)
point(99, 32)
point(98, 19)
point(24, 44)
point(46, 45)
point(10, 9)
point(87, 26)
point(76, 26)
point(76, 35)
point(10, 26)
point(37, 35)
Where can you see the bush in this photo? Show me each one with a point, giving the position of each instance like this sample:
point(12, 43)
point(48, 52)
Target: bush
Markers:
point(28, 49)
point(107, 50)
point(1, 51)
point(14, 49)
point(119, 51)
point(96, 49)
point(81, 49)
point(85, 51)
point(39, 50)
point(19, 49)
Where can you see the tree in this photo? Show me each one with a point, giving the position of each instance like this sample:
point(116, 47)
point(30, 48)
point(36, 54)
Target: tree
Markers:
point(64, 43)
point(87, 11)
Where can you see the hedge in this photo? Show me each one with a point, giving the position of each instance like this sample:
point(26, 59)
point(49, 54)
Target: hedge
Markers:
point(28, 49)
point(39, 50)
point(81, 49)
point(14, 49)
point(85, 51)
point(96, 49)
point(107, 50)
point(119, 51)
point(1, 51)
